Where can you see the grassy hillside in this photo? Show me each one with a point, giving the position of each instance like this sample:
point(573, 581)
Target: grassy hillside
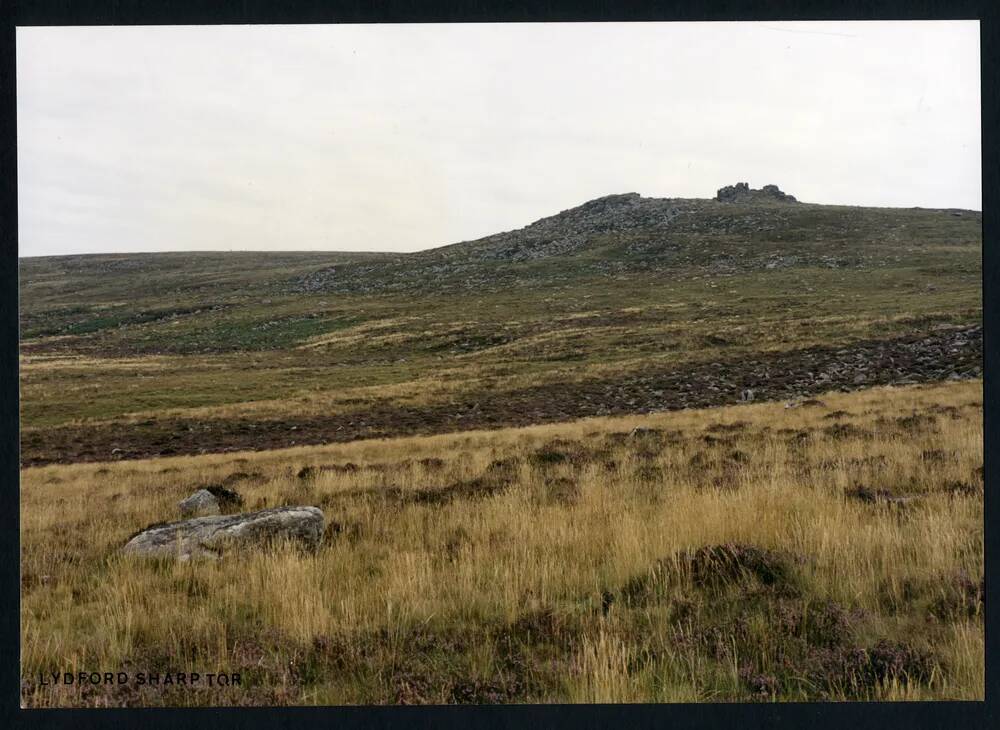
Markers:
point(540, 479)
point(730, 554)
point(618, 289)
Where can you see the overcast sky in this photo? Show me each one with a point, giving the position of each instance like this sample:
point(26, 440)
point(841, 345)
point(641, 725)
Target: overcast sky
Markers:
point(403, 137)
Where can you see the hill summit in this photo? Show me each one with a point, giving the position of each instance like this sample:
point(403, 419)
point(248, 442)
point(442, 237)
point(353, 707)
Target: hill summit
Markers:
point(742, 193)
point(740, 231)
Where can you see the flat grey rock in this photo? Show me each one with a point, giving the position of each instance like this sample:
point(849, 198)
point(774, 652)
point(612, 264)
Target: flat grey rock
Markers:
point(209, 537)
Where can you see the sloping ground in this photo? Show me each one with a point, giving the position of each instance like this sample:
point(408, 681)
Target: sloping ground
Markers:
point(72, 296)
point(742, 553)
point(616, 251)
point(951, 352)
point(629, 233)
point(624, 304)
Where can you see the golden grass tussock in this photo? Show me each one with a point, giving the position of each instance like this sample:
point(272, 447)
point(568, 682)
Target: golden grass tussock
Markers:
point(833, 550)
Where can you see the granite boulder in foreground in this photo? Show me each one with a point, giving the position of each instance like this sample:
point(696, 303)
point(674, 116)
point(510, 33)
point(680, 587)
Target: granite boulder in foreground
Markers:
point(208, 537)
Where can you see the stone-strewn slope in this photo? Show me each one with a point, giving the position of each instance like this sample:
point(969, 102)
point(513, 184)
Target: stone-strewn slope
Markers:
point(947, 353)
point(740, 230)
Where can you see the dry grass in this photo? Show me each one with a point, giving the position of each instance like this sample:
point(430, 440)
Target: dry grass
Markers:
point(545, 564)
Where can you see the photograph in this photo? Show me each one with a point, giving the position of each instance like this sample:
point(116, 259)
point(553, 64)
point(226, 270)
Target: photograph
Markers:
point(500, 363)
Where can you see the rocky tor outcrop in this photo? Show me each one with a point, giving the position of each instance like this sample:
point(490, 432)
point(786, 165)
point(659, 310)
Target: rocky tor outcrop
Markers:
point(741, 192)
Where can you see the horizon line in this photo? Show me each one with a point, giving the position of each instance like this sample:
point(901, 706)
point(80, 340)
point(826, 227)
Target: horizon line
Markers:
point(467, 240)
